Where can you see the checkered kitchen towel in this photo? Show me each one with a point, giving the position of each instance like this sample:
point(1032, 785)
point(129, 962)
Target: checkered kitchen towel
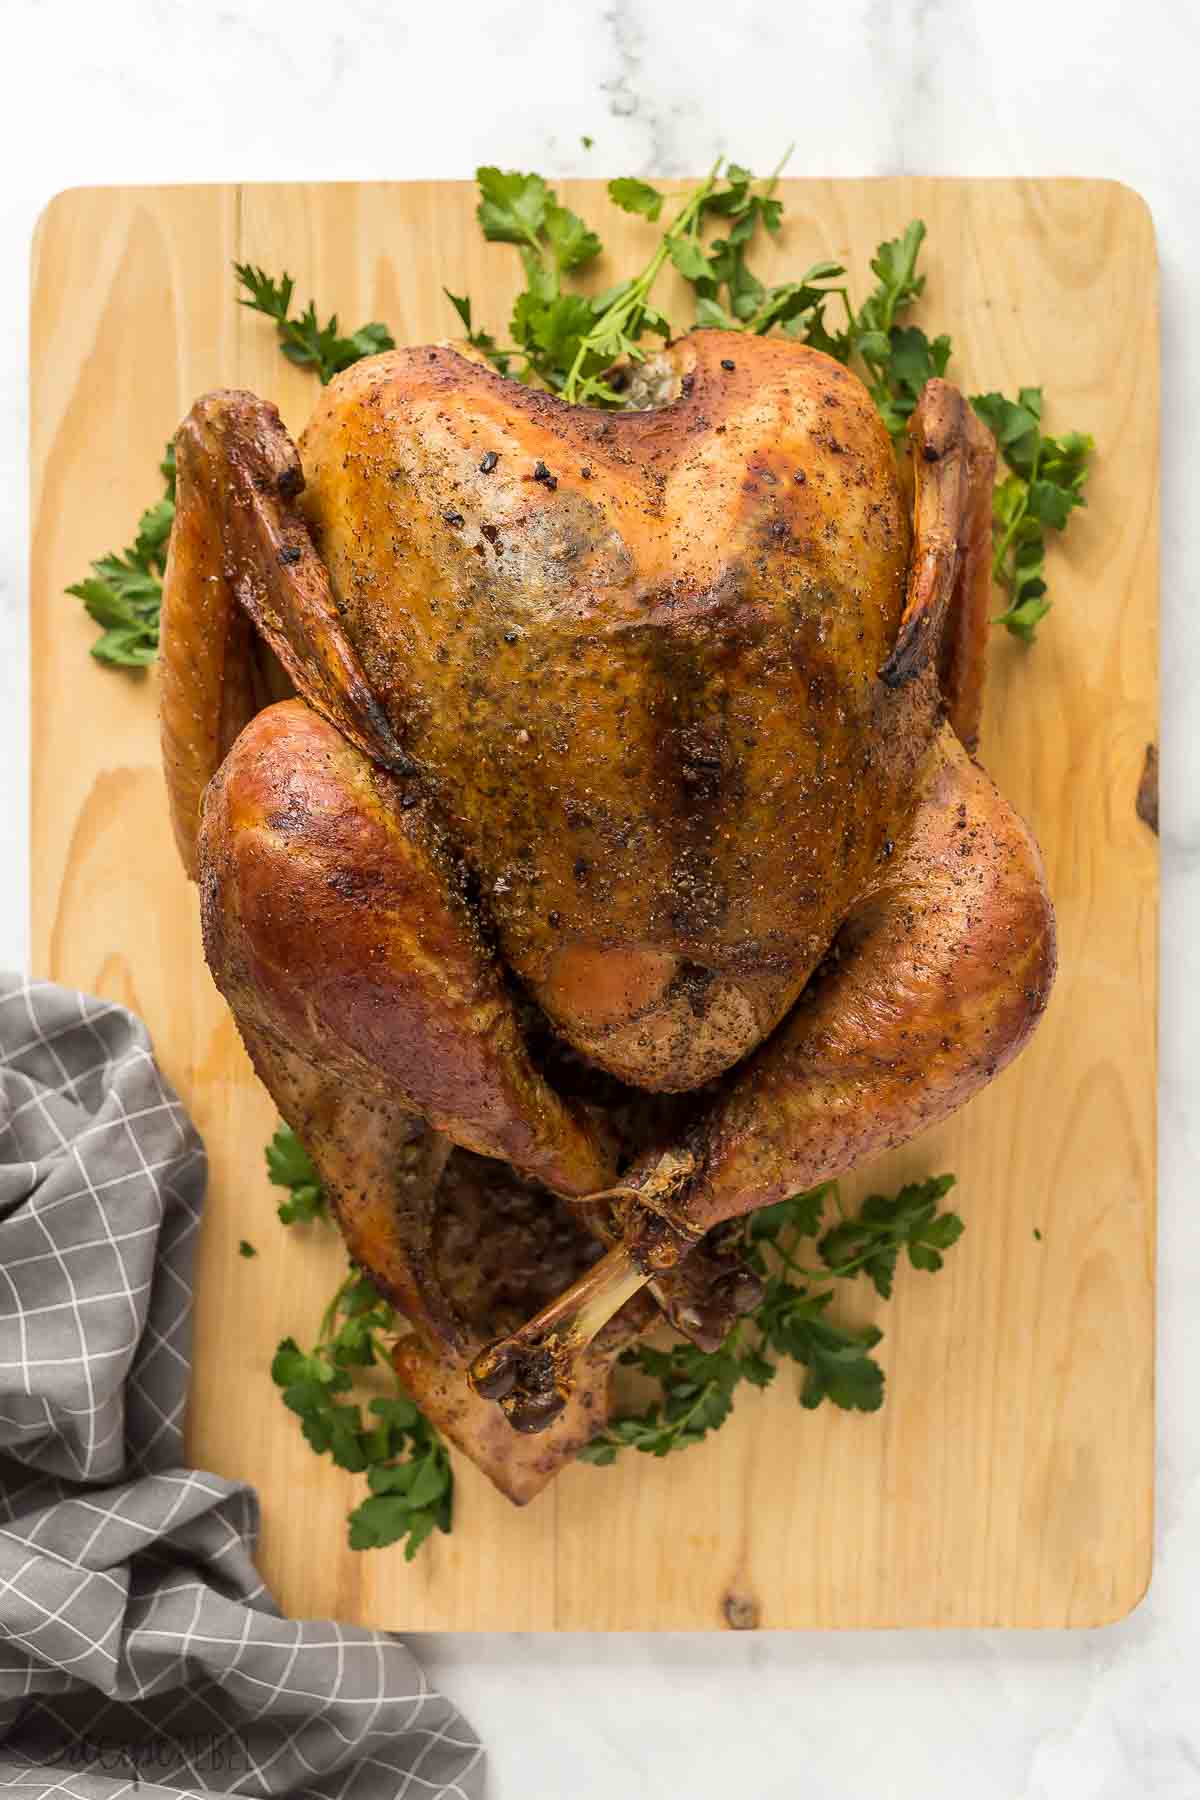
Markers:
point(138, 1647)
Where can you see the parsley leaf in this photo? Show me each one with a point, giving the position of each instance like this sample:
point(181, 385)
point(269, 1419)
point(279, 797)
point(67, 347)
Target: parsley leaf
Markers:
point(521, 209)
point(547, 324)
point(697, 1397)
point(302, 337)
point(870, 1243)
point(123, 594)
point(635, 196)
point(898, 361)
point(837, 1359)
point(801, 1215)
point(572, 245)
point(512, 206)
point(1044, 485)
point(290, 1166)
point(246, 1249)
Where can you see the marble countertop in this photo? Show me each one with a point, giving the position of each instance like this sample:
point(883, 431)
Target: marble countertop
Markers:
point(142, 90)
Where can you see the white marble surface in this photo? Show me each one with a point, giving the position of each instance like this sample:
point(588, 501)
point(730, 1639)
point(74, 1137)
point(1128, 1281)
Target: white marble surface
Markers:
point(154, 90)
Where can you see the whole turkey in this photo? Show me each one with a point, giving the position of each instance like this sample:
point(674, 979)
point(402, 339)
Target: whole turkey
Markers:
point(589, 839)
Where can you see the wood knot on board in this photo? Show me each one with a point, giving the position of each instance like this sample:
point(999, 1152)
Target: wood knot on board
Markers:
point(1147, 794)
point(741, 1611)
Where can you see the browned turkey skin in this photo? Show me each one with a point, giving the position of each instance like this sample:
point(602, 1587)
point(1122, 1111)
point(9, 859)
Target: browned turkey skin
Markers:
point(620, 865)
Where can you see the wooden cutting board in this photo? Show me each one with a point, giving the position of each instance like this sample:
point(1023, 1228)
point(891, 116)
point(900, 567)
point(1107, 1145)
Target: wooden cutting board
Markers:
point(1008, 1480)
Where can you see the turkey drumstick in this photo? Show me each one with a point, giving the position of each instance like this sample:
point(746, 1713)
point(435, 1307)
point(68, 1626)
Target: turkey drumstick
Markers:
point(936, 981)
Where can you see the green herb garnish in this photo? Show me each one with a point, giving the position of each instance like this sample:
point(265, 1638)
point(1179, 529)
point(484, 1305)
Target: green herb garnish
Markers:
point(697, 1396)
point(727, 293)
point(406, 1464)
point(897, 360)
point(290, 1166)
point(123, 594)
point(302, 337)
point(1043, 486)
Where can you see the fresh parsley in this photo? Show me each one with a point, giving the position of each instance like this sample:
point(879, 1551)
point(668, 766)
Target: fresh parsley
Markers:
point(1043, 486)
point(791, 1322)
point(302, 337)
point(290, 1166)
point(123, 593)
point(624, 312)
point(727, 293)
point(406, 1464)
point(897, 360)
point(870, 1243)
point(697, 1390)
point(635, 196)
point(569, 342)
point(553, 242)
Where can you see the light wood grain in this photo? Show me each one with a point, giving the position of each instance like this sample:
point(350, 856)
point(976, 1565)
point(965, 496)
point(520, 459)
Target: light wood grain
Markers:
point(1008, 1479)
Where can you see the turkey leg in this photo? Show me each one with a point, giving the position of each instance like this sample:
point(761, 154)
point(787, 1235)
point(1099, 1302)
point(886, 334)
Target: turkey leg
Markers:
point(936, 981)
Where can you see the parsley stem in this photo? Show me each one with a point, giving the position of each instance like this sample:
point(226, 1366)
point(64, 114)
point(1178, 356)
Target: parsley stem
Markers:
point(835, 1270)
point(622, 313)
point(329, 1316)
point(673, 1428)
point(788, 1258)
point(1002, 549)
point(772, 181)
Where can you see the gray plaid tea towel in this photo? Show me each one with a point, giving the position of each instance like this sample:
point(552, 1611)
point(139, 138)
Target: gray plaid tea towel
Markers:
point(138, 1648)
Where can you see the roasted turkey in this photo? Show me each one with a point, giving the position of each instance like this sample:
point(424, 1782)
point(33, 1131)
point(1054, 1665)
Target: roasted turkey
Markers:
point(589, 840)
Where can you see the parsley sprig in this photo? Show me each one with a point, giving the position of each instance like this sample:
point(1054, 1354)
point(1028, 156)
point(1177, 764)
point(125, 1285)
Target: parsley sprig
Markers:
point(791, 1322)
point(568, 341)
point(625, 312)
point(406, 1464)
point(302, 337)
point(123, 593)
point(1043, 486)
point(898, 360)
point(290, 1166)
point(547, 324)
point(727, 292)
point(697, 1389)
